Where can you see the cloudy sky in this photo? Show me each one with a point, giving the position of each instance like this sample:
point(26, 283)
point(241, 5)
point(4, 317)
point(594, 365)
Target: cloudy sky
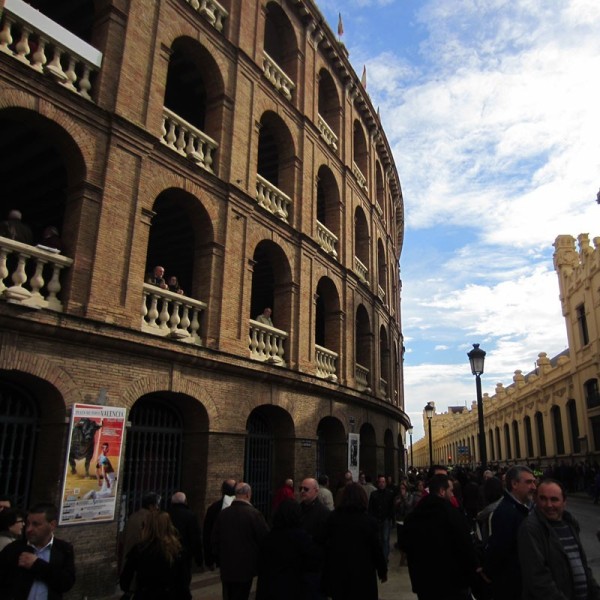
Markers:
point(492, 109)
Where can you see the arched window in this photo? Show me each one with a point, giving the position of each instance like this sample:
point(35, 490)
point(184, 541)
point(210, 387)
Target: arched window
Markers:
point(515, 428)
point(573, 426)
point(558, 430)
point(528, 437)
point(539, 423)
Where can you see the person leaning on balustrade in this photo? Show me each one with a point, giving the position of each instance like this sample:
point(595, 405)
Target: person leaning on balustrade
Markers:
point(13, 228)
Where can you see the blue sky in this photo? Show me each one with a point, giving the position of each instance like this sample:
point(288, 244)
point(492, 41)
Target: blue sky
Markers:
point(492, 110)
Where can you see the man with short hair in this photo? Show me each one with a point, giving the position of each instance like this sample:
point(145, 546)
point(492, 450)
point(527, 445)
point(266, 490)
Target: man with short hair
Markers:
point(40, 567)
point(340, 491)
point(501, 561)
point(381, 508)
point(186, 524)
point(5, 502)
point(325, 495)
point(157, 277)
point(553, 561)
point(236, 539)
point(212, 512)
point(437, 536)
point(265, 317)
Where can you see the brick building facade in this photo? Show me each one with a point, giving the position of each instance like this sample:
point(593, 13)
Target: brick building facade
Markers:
point(233, 144)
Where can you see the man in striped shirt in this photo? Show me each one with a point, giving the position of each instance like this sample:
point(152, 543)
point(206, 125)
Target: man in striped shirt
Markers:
point(553, 562)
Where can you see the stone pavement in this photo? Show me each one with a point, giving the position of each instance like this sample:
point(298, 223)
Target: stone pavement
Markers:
point(207, 586)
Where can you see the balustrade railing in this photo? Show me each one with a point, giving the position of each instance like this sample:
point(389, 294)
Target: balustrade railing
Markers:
point(383, 386)
point(381, 293)
point(326, 361)
point(266, 343)
point(362, 377)
point(185, 139)
point(360, 178)
point(211, 10)
point(168, 314)
point(327, 133)
point(272, 198)
point(35, 40)
point(327, 240)
point(274, 73)
point(361, 270)
point(34, 273)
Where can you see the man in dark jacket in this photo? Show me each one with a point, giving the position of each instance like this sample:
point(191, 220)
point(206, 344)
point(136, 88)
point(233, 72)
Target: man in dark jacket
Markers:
point(41, 567)
point(212, 512)
point(381, 508)
point(501, 560)
point(550, 551)
point(436, 536)
point(186, 524)
point(236, 539)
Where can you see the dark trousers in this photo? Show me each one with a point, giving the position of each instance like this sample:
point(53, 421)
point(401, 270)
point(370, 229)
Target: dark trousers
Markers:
point(236, 590)
point(449, 595)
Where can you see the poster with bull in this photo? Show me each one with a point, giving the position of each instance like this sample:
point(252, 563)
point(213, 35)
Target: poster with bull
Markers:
point(93, 464)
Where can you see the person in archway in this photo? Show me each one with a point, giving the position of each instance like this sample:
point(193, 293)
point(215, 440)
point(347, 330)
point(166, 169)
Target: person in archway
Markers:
point(13, 228)
point(157, 277)
point(265, 317)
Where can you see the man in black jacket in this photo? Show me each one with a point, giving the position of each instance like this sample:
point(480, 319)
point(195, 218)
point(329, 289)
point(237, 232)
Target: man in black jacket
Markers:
point(381, 508)
point(436, 537)
point(43, 566)
point(186, 524)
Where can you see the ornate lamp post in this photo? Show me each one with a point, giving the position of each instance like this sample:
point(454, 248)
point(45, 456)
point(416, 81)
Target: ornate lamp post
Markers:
point(429, 410)
point(477, 359)
point(410, 431)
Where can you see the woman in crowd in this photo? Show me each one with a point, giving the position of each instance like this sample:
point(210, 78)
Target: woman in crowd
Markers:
point(353, 556)
point(156, 562)
point(12, 522)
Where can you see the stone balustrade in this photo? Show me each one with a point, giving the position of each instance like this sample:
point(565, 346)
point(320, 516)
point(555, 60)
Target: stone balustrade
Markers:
point(383, 386)
point(272, 198)
point(35, 275)
point(360, 178)
point(185, 139)
point(211, 10)
point(273, 72)
point(35, 40)
point(381, 293)
point(326, 361)
point(266, 343)
point(362, 377)
point(327, 133)
point(327, 240)
point(168, 314)
point(361, 270)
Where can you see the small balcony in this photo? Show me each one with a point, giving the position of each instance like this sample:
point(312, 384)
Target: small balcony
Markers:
point(360, 178)
point(361, 270)
point(186, 140)
point(167, 314)
point(35, 274)
point(326, 363)
point(211, 10)
point(272, 198)
point(327, 133)
point(327, 240)
point(281, 82)
point(38, 42)
point(266, 343)
point(362, 378)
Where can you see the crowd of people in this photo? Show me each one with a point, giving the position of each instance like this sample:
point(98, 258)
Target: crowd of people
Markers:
point(497, 535)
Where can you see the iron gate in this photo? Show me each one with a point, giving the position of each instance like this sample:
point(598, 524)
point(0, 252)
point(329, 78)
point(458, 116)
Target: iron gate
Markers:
point(259, 461)
point(152, 453)
point(18, 420)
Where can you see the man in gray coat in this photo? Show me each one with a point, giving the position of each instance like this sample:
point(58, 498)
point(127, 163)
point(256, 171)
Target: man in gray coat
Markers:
point(553, 562)
point(236, 539)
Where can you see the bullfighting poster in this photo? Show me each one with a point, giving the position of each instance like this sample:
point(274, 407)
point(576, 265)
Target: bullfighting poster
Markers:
point(92, 465)
point(353, 454)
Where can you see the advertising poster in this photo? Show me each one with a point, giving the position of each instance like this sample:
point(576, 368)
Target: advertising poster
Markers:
point(353, 454)
point(92, 464)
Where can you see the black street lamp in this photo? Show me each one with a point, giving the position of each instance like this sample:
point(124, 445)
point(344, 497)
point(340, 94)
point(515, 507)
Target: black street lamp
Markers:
point(477, 359)
point(410, 430)
point(429, 410)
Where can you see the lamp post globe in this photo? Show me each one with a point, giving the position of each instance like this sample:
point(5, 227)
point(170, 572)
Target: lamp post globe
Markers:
point(477, 361)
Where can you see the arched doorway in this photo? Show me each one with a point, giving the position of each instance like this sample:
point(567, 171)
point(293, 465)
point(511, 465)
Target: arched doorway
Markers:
point(332, 448)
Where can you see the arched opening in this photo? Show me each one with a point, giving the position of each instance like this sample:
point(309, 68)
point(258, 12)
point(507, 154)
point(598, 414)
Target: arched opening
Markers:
point(332, 448)
point(491, 444)
point(327, 321)
point(388, 454)
point(515, 428)
point(528, 437)
point(559, 438)
point(498, 443)
point(77, 17)
point(359, 146)
point(381, 271)
point(361, 244)
point(384, 362)
point(573, 426)
point(539, 424)
point(269, 453)
point(329, 102)
point(379, 186)
point(363, 349)
point(328, 209)
point(280, 40)
point(368, 450)
point(507, 441)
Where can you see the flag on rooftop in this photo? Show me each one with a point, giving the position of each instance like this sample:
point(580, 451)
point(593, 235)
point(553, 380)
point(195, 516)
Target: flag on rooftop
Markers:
point(340, 26)
point(363, 79)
